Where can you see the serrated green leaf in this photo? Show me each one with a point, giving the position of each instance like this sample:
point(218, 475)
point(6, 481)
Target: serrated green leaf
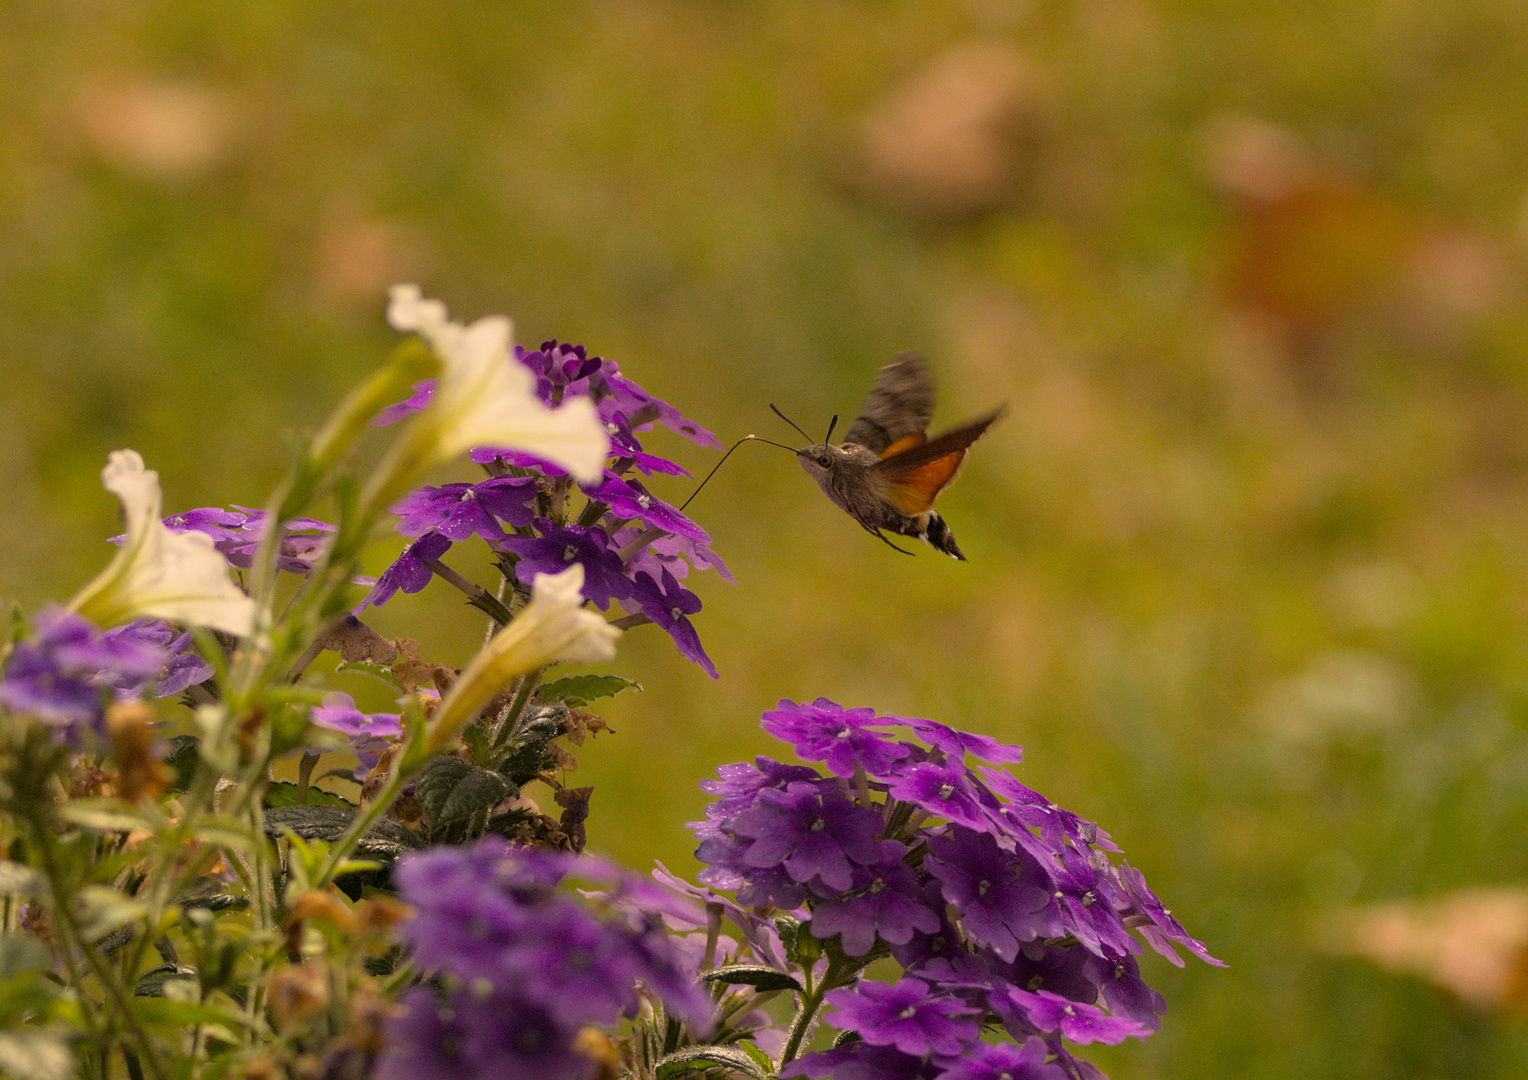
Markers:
point(35, 1055)
point(761, 978)
point(284, 793)
point(763, 1060)
point(451, 788)
point(584, 689)
point(699, 1058)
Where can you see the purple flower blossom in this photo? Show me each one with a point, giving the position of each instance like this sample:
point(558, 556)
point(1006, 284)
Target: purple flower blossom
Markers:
point(740, 783)
point(811, 831)
point(1026, 1012)
point(472, 1036)
point(458, 511)
point(1033, 810)
point(907, 1016)
point(497, 456)
point(629, 500)
point(62, 673)
point(1003, 897)
point(957, 744)
point(558, 368)
point(185, 666)
point(1119, 981)
point(941, 953)
point(302, 544)
point(625, 445)
point(884, 903)
point(945, 790)
point(558, 547)
point(423, 392)
point(671, 552)
point(492, 917)
point(1005, 1062)
point(640, 409)
point(669, 605)
point(1084, 893)
point(859, 1060)
point(224, 526)
point(370, 733)
point(760, 934)
point(409, 572)
point(839, 738)
point(1163, 929)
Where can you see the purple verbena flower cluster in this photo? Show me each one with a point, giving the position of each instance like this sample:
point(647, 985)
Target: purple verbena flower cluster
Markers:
point(634, 547)
point(520, 965)
point(999, 906)
point(68, 670)
point(237, 533)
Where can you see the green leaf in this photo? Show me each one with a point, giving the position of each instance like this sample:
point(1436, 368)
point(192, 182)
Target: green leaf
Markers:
point(35, 1055)
point(584, 689)
point(103, 815)
point(451, 788)
point(152, 984)
point(104, 910)
point(700, 1058)
point(386, 840)
point(761, 978)
point(165, 1010)
point(283, 793)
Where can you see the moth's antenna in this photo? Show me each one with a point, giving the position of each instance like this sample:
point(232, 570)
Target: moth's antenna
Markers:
point(833, 423)
point(718, 465)
point(789, 421)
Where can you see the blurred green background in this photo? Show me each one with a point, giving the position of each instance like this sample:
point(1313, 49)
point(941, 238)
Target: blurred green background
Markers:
point(1247, 572)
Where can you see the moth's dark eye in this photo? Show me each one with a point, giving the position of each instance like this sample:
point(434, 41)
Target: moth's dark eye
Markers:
point(823, 460)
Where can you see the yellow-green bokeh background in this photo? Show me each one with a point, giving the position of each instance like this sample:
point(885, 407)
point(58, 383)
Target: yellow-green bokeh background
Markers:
point(1247, 567)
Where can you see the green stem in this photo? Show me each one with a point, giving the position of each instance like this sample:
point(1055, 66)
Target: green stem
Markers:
point(481, 598)
point(528, 683)
point(120, 999)
point(806, 1008)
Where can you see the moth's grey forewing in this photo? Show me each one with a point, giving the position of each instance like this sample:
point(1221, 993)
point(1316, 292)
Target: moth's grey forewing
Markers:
point(900, 403)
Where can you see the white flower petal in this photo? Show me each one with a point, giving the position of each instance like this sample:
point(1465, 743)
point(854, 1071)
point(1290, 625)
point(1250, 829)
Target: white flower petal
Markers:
point(554, 626)
point(483, 399)
point(157, 573)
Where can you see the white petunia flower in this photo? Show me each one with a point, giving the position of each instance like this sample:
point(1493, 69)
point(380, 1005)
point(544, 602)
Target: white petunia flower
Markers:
point(483, 399)
point(554, 626)
point(158, 573)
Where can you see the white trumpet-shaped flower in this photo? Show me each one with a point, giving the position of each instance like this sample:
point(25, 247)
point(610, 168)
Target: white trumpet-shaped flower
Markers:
point(554, 626)
point(482, 398)
point(158, 573)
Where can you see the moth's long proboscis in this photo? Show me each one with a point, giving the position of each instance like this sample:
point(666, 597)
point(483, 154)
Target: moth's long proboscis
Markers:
point(728, 454)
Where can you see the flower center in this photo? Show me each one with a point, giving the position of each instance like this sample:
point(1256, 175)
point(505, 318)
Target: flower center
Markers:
point(946, 790)
point(569, 553)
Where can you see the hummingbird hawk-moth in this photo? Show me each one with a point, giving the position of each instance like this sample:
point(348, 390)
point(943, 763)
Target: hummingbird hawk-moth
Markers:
point(887, 471)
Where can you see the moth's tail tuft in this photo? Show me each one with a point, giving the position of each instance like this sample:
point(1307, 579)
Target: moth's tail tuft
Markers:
point(938, 534)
